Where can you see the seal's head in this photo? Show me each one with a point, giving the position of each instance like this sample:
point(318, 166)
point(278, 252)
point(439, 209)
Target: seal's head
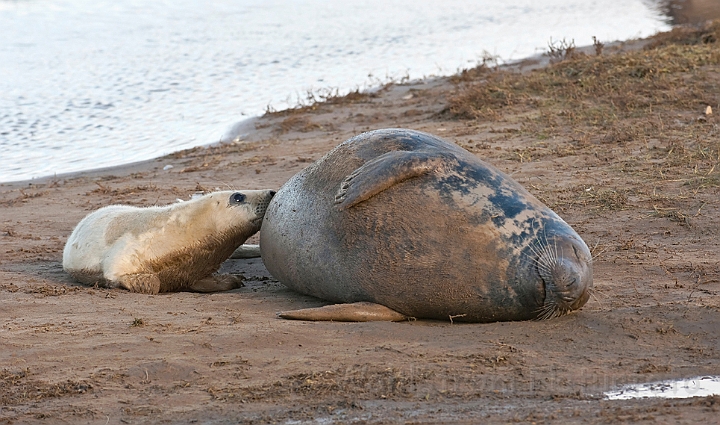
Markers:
point(233, 209)
point(564, 265)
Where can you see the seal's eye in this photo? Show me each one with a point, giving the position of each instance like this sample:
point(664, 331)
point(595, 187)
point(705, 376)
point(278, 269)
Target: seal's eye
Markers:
point(237, 198)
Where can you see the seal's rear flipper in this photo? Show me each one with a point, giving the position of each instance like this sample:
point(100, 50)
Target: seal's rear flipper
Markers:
point(354, 312)
point(383, 172)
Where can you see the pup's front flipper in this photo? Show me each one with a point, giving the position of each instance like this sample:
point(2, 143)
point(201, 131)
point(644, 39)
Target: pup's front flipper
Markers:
point(353, 312)
point(143, 283)
point(217, 283)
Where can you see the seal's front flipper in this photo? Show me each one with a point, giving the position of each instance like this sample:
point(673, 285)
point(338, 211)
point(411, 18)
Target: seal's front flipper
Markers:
point(143, 283)
point(383, 172)
point(246, 251)
point(354, 312)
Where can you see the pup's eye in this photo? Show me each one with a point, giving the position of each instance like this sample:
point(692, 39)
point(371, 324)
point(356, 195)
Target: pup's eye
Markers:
point(237, 198)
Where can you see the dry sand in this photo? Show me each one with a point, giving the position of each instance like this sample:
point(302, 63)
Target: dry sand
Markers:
point(73, 354)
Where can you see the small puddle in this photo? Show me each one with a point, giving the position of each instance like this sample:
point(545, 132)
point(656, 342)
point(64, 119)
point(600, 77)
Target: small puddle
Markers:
point(701, 386)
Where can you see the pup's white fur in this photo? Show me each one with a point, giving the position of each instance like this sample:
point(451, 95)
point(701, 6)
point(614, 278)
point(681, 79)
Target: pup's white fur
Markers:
point(163, 249)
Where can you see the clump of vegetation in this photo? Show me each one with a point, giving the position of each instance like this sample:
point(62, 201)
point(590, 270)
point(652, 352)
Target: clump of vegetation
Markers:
point(648, 112)
point(17, 388)
point(561, 49)
point(312, 99)
point(599, 90)
point(611, 200)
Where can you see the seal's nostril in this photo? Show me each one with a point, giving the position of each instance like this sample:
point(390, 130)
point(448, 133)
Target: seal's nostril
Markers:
point(272, 193)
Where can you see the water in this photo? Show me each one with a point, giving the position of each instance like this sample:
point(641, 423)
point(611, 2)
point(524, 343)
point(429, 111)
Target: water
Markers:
point(683, 388)
point(93, 83)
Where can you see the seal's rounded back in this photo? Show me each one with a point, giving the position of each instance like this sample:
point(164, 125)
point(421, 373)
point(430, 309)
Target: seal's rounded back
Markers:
point(404, 219)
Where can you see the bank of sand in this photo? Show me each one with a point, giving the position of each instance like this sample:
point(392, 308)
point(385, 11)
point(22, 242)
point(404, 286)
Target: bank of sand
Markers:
point(619, 145)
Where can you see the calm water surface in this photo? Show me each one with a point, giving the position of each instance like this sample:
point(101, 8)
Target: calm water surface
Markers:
point(87, 84)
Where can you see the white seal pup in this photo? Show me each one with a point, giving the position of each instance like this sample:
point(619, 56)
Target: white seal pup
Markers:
point(165, 249)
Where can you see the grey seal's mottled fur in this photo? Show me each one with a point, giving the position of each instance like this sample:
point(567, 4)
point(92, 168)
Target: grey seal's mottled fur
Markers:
point(423, 228)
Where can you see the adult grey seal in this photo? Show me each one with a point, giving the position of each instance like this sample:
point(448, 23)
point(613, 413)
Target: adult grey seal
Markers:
point(165, 249)
point(404, 224)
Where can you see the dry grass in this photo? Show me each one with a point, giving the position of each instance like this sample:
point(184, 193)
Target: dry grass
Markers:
point(678, 73)
point(302, 123)
point(642, 112)
point(358, 383)
point(597, 90)
point(130, 190)
point(313, 99)
point(24, 197)
point(16, 388)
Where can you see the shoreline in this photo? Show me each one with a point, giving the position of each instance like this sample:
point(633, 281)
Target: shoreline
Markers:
point(246, 128)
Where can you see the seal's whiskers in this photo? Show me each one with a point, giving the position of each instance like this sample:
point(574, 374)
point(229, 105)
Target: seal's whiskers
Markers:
point(551, 310)
point(546, 257)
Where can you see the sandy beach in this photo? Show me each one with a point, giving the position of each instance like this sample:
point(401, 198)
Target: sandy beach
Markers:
point(617, 140)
